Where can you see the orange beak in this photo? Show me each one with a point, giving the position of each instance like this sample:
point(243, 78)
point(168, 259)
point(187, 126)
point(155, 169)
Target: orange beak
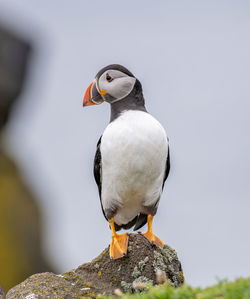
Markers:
point(88, 96)
point(92, 95)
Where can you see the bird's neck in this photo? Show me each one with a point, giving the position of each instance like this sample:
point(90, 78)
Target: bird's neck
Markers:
point(128, 103)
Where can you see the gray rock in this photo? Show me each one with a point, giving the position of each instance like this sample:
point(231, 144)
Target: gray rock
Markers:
point(103, 275)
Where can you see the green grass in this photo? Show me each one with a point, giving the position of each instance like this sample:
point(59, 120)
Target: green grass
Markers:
point(239, 289)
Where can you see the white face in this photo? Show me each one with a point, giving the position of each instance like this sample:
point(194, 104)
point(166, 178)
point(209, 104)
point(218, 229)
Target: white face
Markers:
point(116, 83)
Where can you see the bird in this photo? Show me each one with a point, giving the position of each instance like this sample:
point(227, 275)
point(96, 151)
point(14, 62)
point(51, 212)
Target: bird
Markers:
point(132, 159)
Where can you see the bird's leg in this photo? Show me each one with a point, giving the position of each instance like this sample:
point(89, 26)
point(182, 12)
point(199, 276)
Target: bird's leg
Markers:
point(119, 243)
point(149, 234)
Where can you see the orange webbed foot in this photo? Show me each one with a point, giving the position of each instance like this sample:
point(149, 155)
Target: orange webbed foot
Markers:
point(153, 239)
point(149, 234)
point(118, 246)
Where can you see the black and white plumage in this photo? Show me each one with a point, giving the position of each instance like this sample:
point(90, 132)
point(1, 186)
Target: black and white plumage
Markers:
point(132, 159)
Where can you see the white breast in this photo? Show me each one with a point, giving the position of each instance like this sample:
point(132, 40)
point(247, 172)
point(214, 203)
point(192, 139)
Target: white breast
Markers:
point(134, 150)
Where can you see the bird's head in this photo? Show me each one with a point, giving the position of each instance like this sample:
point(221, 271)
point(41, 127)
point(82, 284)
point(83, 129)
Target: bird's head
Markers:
point(112, 83)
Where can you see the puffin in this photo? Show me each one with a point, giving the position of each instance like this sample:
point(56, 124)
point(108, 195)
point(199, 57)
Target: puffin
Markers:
point(132, 159)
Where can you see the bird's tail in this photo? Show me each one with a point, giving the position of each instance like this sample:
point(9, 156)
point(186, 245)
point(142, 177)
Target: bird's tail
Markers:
point(138, 222)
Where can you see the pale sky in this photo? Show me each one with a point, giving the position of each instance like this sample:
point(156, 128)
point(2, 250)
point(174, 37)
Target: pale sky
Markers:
point(192, 58)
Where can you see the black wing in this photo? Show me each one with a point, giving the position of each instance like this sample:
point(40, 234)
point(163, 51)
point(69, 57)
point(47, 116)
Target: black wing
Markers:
point(167, 169)
point(98, 170)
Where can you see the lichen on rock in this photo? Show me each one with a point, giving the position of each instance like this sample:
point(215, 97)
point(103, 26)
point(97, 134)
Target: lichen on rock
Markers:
point(138, 269)
point(103, 275)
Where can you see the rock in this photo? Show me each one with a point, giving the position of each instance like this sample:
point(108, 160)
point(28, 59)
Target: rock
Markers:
point(105, 276)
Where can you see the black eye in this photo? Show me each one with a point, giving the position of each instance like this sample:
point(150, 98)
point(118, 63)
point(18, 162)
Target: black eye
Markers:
point(109, 78)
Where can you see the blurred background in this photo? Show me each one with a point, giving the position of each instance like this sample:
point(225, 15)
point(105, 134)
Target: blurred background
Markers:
point(192, 58)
